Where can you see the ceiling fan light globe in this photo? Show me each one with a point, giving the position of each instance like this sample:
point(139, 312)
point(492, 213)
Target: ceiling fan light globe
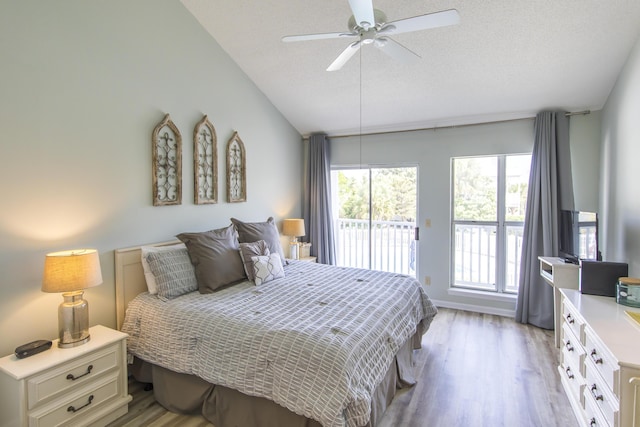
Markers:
point(381, 42)
point(368, 37)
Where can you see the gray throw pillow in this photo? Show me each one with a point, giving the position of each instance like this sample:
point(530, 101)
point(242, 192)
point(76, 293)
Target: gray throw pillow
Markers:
point(249, 250)
point(249, 232)
point(214, 254)
point(173, 272)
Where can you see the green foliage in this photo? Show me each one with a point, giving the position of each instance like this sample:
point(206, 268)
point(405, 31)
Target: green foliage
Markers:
point(393, 194)
point(475, 188)
point(516, 192)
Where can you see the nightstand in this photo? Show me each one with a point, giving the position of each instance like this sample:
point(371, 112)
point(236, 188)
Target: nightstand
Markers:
point(79, 386)
point(308, 259)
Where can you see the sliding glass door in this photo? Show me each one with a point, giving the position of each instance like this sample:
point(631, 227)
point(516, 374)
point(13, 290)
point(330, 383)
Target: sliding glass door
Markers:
point(375, 211)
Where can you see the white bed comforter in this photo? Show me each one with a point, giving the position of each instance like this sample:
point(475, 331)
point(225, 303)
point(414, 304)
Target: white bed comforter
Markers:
point(317, 341)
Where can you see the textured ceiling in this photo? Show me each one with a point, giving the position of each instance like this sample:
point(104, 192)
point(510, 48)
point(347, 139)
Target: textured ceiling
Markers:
point(505, 59)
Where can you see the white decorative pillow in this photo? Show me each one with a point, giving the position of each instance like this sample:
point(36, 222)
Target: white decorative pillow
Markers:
point(173, 272)
point(248, 251)
point(148, 275)
point(267, 268)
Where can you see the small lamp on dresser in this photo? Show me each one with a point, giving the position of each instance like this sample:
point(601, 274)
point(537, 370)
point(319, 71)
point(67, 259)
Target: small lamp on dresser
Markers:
point(294, 228)
point(70, 272)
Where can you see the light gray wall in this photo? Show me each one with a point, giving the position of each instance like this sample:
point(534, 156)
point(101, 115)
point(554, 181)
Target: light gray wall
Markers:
point(82, 86)
point(619, 190)
point(431, 151)
point(584, 131)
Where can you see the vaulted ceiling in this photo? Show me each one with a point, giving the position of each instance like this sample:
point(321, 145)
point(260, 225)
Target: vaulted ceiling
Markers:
point(505, 59)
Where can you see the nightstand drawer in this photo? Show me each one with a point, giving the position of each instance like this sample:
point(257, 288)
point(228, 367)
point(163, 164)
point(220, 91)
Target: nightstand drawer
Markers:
point(57, 381)
point(77, 405)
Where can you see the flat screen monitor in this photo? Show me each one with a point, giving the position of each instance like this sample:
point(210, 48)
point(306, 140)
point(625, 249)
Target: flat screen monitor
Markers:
point(578, 235)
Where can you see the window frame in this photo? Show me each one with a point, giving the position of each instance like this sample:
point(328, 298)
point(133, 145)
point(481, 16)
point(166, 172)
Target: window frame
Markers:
point(501, 225)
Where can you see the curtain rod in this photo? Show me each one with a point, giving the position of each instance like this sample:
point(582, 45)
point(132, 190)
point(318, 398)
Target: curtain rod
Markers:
point(576, 113)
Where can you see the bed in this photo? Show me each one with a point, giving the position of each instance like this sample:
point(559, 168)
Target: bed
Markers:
point(322, 345)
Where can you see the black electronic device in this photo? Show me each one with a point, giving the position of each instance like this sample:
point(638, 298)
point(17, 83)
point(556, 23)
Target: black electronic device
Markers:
point(601, 277)
point(578, 236)
point(34, 347)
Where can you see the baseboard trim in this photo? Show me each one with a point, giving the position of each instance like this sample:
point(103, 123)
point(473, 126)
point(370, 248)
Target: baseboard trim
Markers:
point(475, 308)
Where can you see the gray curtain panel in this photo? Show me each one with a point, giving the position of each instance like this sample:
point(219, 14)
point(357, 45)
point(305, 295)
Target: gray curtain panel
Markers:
point(550, 189)
point(317, 203)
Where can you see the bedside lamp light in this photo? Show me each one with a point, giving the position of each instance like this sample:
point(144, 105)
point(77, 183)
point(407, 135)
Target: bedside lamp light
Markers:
point(70, 272)
point(293, 228)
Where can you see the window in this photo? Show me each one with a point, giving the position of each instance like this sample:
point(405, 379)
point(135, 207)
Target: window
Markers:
point(375, 211)
point(489, 196)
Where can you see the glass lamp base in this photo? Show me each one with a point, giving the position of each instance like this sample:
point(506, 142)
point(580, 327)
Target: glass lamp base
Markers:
point(73, 320)
point(293, 250)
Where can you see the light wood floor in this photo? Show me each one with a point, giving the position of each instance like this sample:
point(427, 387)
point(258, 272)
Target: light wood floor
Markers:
point(474, 370)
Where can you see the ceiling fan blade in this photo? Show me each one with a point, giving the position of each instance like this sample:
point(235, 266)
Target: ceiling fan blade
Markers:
point(344, 56)
point(363, 13)
point(320, 36)
point(424, 22)
point(396, 50)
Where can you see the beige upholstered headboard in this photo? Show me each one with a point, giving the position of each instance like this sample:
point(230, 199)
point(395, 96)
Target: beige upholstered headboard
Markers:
point(129, 277)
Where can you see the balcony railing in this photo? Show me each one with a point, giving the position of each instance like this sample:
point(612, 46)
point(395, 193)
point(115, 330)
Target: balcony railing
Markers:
point(378, 245)
point(475, 256)
point(390, 246)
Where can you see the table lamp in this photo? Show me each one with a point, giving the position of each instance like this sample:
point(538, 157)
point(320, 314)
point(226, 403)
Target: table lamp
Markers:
point(294, 228)
point(70, 272)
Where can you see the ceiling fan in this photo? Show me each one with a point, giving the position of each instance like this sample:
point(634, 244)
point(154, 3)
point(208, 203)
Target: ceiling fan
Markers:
point(369, 26)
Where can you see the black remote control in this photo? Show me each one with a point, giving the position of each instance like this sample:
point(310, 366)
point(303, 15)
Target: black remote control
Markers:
point(34, 347)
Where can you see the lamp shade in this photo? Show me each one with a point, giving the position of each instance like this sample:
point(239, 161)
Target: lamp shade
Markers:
point(73, 270)
point(293, 227)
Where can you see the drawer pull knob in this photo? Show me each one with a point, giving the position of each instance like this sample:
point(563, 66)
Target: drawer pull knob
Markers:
point(74, 409)
point(594, 392)
point(593, 422)
point(570, 319)
point(569, 346)
point(594, 356)
point(569, 374)
point(73, 377)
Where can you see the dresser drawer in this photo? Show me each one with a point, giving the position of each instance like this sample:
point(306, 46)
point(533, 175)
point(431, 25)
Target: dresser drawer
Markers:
point(573, 320)
point(603, 361)
point(572, 351)
point(600, 394)
point(71, 409)
point(57, 381)
point(592, 413)
point(573, 382)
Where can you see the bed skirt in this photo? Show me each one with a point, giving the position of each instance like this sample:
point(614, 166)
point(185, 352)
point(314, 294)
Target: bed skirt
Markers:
point(223, 407)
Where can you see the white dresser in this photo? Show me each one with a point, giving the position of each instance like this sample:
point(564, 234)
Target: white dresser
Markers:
point(79, 386)
point(560, 275)
point(600, 360)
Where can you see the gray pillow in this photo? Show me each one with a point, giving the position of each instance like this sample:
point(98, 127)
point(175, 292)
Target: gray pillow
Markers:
point(173, 272)
point(248, 250)
point(214, 254)
point(249, 232)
